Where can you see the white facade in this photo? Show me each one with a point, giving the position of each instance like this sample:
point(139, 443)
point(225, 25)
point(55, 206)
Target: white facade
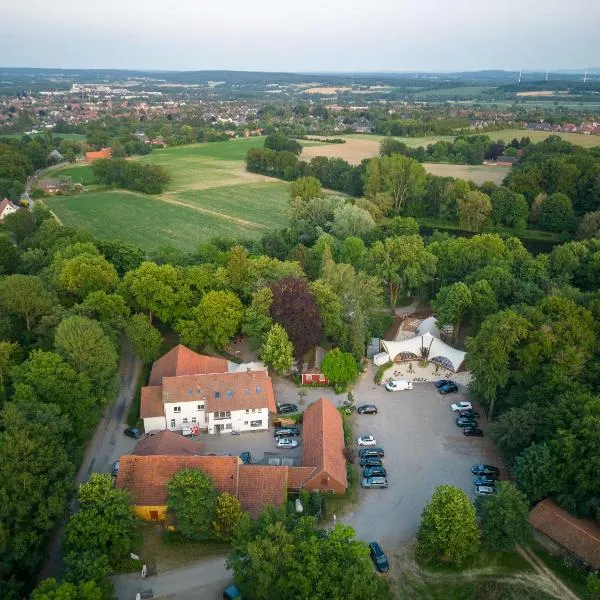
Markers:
point(184, 414)
point(9, 209)
point(249, 419)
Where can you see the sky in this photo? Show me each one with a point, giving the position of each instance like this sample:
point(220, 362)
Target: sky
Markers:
point(306, 35)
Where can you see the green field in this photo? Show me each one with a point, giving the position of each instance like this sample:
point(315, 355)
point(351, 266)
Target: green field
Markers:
point(587, 141)
point(210, 194)
point(64, 136)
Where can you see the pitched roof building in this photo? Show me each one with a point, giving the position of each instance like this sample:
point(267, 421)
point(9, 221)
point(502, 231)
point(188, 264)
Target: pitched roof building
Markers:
point(7, 208)
point(562, 531)
point(183, 361)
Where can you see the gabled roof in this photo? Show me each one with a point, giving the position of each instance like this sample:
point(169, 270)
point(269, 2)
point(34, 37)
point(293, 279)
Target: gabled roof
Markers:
point(297, 476)
point(151, 404)
point(580, 537)
point(260, 485)
point(5, 203)
point(167, 443)
point(323, 443)
point(183, 361)
point(222, 391)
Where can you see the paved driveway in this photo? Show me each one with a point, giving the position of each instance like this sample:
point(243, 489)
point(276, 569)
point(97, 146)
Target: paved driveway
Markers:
point(423, 449)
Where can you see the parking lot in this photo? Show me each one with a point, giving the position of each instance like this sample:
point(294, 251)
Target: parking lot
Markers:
point(423, 449)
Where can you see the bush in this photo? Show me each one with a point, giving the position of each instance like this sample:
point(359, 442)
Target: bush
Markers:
point(381, 370)
point(350, 455)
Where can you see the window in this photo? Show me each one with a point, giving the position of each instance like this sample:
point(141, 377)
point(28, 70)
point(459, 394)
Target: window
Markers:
point(172, 423)
point(222, 414)
point(245, 422)
point(253, 410)
point(229, 393)
point(193, 419)
point(255, 423)
point(185, 419)
point(200, 406)
point(217, 394)
point(247, 410)
point(331, 491)
point(177, 409)
point(258, 389)
point(228, 426)
point(190, 391)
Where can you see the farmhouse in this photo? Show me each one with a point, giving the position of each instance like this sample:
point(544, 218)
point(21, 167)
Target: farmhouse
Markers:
point(565, 534)
point(104, 153)
point(191, 390)
point(146, 472)
point(7, 208)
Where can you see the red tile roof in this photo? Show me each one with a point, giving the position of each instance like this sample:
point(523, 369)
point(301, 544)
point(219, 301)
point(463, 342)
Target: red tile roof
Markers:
point(146, 477)
point(151, 404)
point(183, 361)
point(167, 443)
point(222, 391)
point(297, 476)
point(323, 443)
point(580, 537)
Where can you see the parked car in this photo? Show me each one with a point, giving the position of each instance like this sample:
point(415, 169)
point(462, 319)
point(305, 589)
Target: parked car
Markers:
point(367, 409)
point(286, 431)
point(399, 385)
point(461, 406)
point(374, 472)
point(374, 482)
point(287, 408)
point(484, 480)
point(367, 440)
point(134, 433)
point(246, 457)
point(469, 413)
point(485, 470)
point(286, 443)
point(466, 422)
point(379, 558)
point(370, 461)
point(442, 382)
point(448, 389)
point(473, 431)
point(365, 452)
point(484, 490)
point(115, 468)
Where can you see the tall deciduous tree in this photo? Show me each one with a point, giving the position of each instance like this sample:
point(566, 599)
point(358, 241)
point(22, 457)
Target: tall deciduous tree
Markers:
point(227, 515)
point(403, 264)
point(86, 273)
point(474, 210)
point(448, 532)
point(144, 338)
point(306, 188)
point(257, 321)
point(8, 356)
point(451, 305)
point(50, 589)
point(277, 350)
point(294, 308)
point(25, 296)
point(556, 213)
point(350, 220)
point(192, 503)
point(339, 367)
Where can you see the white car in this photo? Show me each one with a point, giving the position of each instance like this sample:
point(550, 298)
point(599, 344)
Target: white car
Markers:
point(461, 406)
point(399, 385)
point(484, 490)
point(286, 443)
point(367, 440)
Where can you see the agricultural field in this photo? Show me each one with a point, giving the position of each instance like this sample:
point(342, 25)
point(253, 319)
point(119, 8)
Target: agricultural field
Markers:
point(476, 173)
point(587, 141)
point(210, 194)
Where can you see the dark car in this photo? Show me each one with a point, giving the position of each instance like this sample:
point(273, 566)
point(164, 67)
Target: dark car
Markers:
point(442, 383)
point(246, 457)
point(449, 388)
point(367, 409)
point(286, 408)
point(469, 413)
point(379, 558)
point(286, 431)
point(115, 468)
point(370, 461)
point(372, 451)
point(473, 431)
point(374, 472)
point(485, 470)
point(134, 433)
point(466, 422)
point(484, 480)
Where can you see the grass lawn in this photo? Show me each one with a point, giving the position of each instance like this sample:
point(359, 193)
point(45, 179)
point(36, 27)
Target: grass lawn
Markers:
point(161, 555)
point(79, 174)
point(64, 136)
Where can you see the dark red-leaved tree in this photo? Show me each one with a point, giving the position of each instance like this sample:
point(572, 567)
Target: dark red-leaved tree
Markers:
point(295, 309)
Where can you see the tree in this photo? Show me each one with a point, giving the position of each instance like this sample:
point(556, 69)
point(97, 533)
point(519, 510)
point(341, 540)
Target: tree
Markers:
point(306, 188)
point(215, 320)
point(122, 255)
point(145, 339)
point(330, 310)
point(589, 226)
point(403, 264)
point(556, 213)
point(277, 350)
point(350, 220)
point(9, 256)
point(504, 518)
point(339, 367)
point(83, 343)
point(448, 532)
point(25, 296)
point(474, 210)
point(86, 273)
point(104, 525)
point(294, 308)
point(50, 589)
point(400, 176)
point(451, 304)
point(535, 472)
point(353, 252)
point(107, 308)
point(284, 557)
point(257, 320)
point(227, 515)
point(509, 208)
point(8, 355)
point(20, 225)
point(192, 503)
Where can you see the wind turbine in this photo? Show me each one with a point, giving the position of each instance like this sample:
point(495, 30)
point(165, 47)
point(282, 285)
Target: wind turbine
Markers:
point(546, 74)
point(520, 73)
point(585, 77)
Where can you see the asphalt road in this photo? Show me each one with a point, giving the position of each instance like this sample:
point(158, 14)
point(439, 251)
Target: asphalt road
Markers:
point(105, 447)
point(423, 449)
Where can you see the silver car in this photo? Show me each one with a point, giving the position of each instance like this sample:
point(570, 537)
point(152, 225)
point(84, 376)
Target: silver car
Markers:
point(286, 443)
point(484, 490)
point(374, 482)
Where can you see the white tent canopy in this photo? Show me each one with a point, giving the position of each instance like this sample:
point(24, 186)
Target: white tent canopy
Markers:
point(426, 347)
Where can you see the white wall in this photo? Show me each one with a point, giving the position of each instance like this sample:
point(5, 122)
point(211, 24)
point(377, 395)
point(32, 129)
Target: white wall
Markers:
point(188, 415)
point(240, 420)
point(154, 424)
